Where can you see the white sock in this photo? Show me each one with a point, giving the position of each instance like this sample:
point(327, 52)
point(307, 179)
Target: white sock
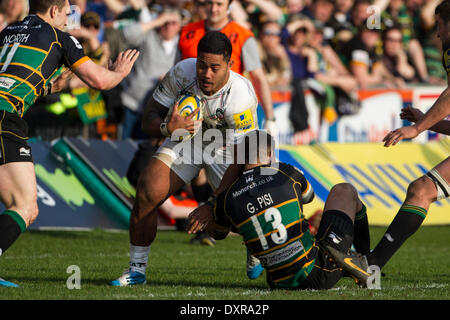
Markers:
point(139, 258)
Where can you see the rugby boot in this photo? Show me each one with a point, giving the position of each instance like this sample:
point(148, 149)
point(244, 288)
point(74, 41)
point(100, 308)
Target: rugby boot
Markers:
point(254, 267)
point(129, 278)
point(354, 264)
point(4, 283)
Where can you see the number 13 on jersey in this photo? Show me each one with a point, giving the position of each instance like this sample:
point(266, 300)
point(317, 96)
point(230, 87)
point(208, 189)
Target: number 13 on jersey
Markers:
point(278, 233)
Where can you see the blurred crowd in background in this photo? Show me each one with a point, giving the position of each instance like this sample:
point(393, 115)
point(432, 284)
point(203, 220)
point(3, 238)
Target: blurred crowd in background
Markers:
point(330, 47)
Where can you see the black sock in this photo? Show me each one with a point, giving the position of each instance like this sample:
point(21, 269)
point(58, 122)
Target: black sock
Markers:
point(11, 226)
point(361, 239)
point(407, 221)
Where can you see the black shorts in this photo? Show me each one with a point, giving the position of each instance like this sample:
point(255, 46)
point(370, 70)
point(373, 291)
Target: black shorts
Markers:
point(13, 139)
point(336, 228)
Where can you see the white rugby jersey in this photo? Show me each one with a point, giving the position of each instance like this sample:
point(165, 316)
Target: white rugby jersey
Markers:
point(232, 107)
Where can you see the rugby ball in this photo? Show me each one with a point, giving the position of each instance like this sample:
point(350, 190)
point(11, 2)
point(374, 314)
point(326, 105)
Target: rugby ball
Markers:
point(185, 105)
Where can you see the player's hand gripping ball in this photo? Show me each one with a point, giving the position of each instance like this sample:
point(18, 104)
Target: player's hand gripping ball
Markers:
point(186, 105)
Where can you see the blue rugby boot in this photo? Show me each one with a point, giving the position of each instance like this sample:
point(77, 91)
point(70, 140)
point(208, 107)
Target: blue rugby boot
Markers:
point(4, 283)
point(129, 278)
point(254, 267)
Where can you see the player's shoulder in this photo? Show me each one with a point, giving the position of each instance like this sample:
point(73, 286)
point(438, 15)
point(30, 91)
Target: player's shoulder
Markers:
point(289, 169)
point(241, 85)
point(183, 73)
point(185, 67)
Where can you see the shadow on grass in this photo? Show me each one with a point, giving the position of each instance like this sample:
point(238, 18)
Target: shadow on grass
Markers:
point(186, 283)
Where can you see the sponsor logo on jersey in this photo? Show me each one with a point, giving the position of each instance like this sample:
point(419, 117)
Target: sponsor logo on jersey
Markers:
point(77, 44)
point(25, 152)
point(244, 121)
point(281, 254)
point(6, 83)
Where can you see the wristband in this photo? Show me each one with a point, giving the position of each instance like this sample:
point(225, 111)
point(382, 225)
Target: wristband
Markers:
point(164, 130)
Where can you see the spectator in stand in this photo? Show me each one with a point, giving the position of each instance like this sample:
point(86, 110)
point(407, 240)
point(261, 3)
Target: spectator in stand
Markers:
point(322, 12)
point(252, 13)
point(295, 7)
point(333, 77)
point(157, 41)
point(395, 59)
point(199, 10)
point(274, 57)
point(361, 58)
point(341, 24)
point(359, 14)
point(304, 65)
point(424, 22)
point(396, 12)
point(88, 36)
point(14, 10)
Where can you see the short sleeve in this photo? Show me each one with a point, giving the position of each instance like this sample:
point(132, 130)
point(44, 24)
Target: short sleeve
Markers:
point(74, 55)
point(250, 55)
point(298, 176)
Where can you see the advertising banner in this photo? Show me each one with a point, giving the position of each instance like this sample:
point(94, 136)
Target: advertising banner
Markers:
point(378, 114)
point(380, 175)
point(64, 201)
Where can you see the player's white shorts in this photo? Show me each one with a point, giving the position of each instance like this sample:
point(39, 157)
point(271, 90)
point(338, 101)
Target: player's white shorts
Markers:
point(188, 157)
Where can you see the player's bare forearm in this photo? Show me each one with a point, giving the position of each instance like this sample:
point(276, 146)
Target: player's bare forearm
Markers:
point(442, 126)
point(438, 111)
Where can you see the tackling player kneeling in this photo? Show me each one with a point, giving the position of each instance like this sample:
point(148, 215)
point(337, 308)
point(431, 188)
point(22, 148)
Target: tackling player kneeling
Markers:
point(263, 200)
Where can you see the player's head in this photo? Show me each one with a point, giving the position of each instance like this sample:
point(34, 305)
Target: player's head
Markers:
point(442, 12)
point(213, 61)
point(55, 12)
point(217, 11)
point(256, 147)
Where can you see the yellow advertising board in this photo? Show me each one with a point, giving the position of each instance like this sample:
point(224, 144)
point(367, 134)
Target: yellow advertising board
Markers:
point(381, 175)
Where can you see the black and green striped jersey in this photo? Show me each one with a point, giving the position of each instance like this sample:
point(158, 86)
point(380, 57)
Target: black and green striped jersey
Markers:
point(265, 206)
point(31, 52)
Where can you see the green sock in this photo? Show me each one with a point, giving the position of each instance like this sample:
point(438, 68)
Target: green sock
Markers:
point(407, 221)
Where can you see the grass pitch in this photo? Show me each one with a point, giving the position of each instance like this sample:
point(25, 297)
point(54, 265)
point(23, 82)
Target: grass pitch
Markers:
point(39, 263)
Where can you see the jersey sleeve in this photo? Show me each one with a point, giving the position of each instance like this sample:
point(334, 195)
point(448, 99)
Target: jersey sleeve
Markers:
point(244, 104)
point(74, 55)
point(298, 176)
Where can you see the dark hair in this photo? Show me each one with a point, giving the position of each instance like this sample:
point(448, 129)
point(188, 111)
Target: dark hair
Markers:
point(388, 29)
point(443, 10)
point(215, 42)
point(255, 143)
point(42, 6)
